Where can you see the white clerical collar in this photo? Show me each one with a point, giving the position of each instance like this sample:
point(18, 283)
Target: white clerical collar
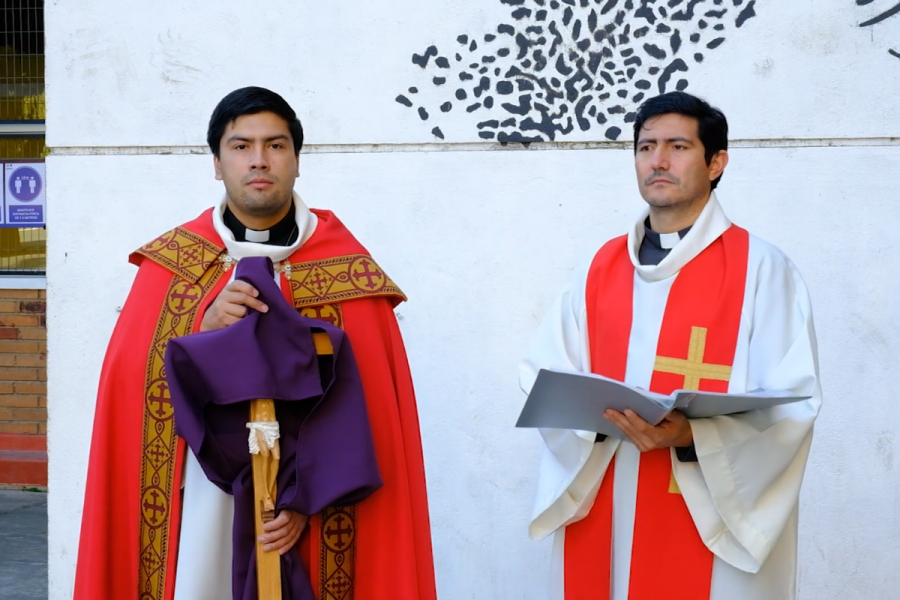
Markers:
point(667, 241)
point(711, 223)
point(306, 225)
point(260, 237)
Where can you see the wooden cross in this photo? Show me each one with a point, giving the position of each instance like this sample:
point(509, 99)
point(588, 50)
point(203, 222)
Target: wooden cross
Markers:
point(265, 472)
point(693, 369)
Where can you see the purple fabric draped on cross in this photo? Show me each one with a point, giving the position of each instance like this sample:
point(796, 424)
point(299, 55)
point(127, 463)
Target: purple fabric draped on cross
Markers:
point(327, 453)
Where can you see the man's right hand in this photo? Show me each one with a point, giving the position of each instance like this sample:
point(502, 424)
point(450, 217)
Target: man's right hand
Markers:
point(231, 306)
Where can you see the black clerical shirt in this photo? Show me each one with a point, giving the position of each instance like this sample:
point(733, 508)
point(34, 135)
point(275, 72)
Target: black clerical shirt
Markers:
point(283, 233)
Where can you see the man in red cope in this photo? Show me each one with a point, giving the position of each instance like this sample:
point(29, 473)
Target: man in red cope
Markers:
point(690, 509)
point(154, 528)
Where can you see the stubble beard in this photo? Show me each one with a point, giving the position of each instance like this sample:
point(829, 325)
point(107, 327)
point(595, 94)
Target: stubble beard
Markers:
point(674, 207)
point(670, 198)
point(261, 203)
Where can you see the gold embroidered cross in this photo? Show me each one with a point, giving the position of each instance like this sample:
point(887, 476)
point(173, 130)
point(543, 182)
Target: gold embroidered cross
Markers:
point(693, 369)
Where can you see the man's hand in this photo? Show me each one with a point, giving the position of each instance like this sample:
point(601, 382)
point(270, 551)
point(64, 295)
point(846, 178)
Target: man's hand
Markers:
point(673, 431)
point(231, 306)
point(283, 531)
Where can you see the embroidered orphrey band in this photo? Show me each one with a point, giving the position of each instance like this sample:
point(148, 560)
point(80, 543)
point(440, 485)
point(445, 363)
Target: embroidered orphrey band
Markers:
point(183, 299)
point(338, 279)
point(183, 252)
point(337, 553)
point(318, 287)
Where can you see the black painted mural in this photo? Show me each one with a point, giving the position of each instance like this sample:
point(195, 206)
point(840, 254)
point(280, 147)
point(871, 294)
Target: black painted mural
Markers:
point(558, 66)
point(884, 12)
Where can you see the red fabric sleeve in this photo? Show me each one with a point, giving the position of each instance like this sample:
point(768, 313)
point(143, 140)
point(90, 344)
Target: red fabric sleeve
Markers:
point(398, 511)
point(108, 548)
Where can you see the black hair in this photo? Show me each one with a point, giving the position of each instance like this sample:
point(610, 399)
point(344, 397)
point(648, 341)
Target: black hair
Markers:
point(712, 127)
point(250, 101)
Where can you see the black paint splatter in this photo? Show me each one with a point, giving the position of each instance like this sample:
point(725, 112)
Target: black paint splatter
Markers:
point(564, 65)
point(880, 17)
point(422, 61)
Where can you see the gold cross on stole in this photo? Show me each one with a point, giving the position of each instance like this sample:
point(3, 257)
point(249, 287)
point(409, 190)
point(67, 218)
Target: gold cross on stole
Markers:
point(693, 369)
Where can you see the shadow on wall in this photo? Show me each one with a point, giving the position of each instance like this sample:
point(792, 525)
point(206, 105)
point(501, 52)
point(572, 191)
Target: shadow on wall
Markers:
point(558, 65)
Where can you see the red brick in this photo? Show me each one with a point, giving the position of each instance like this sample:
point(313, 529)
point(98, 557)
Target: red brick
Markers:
point(6, 387)
point(29, 307)
point(28, 468)
point(31, 428)
point(16, 347)
point(7, 360)
point(29, 388)
point(29, 360)
point(9, 333)
point(32, 443)
point(16, 401)
point(32, 333)
point(20, 320)
point(20, 294)
point(42, 374)
point(42, 428)
point(8, 306)
point(26, 414)
point(42, 401)
point(42, 294)
point(19, 374)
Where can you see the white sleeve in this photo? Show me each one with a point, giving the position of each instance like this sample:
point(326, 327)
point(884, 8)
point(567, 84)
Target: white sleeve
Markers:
point(564, 485)
point(746, 483)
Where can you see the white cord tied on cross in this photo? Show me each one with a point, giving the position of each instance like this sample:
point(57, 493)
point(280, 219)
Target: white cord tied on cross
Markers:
point(263, 437)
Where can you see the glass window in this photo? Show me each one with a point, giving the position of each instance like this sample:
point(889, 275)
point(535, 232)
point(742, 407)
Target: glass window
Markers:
point(23, 250)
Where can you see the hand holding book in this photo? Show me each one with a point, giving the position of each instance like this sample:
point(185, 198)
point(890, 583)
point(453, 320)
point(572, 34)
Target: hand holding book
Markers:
point(567, 400)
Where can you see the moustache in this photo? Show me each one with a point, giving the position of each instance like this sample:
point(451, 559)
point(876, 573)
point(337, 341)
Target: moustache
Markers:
point(659, 175)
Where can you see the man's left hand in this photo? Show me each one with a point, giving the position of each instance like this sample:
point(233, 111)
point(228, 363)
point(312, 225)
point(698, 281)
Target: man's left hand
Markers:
point(673, 431)
point(283, 531)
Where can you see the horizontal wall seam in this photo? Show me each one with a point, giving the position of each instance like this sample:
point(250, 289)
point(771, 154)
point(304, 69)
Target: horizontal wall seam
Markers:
point(469, 147)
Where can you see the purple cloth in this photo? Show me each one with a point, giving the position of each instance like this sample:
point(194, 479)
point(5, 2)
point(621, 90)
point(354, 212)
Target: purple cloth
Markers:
point(327, 453)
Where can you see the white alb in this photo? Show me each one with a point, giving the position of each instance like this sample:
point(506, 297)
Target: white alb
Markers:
point(742, 493)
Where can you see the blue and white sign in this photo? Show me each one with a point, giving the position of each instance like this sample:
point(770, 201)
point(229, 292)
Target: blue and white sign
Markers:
point(24, 198)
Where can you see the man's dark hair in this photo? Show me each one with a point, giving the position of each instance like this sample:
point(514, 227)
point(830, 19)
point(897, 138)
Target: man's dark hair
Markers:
point(712, 127)
point(250, 101)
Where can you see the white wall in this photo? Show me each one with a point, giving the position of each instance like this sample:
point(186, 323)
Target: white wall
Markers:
point(481, 238)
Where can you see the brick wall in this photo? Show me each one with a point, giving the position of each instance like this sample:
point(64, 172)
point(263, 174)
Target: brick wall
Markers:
point(23, 361)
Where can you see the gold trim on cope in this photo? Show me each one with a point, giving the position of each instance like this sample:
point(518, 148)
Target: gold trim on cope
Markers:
point(183, 252)
point(337, 553)
point(336, 279)
point(183, 301)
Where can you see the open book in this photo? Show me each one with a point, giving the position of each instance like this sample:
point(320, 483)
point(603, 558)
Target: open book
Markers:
point(570, 400)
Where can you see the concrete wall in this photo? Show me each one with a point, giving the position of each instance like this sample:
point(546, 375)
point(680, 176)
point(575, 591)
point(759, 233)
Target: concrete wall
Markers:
point(481, 237)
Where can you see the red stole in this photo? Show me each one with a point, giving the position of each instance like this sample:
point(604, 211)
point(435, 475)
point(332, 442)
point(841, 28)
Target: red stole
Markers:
point(695, 350)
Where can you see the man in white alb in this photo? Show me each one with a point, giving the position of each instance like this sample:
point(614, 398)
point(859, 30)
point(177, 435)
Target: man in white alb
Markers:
point(690, 509)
